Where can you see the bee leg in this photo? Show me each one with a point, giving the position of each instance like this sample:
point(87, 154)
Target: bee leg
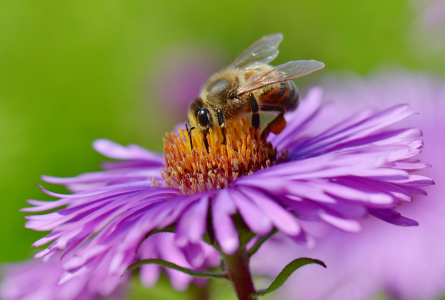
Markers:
point(206, 143)
point(276, 125)
point(189, 131)
point(222, 124)
point(255, 110)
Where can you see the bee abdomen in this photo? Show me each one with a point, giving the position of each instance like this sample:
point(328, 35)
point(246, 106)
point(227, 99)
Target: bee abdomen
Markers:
point(284, 94)
point(292, 97)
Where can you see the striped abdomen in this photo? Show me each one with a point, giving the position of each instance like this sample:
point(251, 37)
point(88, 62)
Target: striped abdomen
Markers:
point(284, 94)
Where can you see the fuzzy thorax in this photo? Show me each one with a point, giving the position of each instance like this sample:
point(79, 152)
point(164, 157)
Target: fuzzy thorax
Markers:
point(195, 170)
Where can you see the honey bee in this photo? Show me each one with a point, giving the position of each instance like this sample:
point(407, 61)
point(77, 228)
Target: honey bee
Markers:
point(250, 85)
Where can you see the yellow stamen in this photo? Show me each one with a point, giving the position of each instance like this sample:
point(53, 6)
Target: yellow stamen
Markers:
point(197, 170)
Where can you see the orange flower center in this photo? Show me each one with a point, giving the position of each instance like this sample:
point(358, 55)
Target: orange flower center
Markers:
point(195, 170)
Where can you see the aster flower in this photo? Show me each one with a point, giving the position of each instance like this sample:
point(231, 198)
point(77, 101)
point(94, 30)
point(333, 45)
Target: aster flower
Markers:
point(163, 246)
point(47, 280)
point(333, 173)
point(38, 280)
point(402, 263)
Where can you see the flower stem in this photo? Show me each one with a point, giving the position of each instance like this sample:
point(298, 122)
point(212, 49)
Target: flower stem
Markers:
point(238, 273)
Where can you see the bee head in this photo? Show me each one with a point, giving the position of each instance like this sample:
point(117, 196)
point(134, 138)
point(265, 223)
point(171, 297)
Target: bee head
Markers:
point(200, 116)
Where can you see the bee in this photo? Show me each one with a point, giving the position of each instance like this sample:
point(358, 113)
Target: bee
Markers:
point(250, 85)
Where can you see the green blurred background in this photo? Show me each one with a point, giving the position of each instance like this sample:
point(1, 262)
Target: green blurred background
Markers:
point(75, 71)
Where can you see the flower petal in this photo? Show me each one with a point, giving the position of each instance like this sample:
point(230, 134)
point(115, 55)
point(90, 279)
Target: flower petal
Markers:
point(254, 217)
point(282, 219)
point(192, 224)
point(225, 231)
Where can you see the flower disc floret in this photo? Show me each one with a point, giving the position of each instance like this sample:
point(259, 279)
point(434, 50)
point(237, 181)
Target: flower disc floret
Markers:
point(216, 165)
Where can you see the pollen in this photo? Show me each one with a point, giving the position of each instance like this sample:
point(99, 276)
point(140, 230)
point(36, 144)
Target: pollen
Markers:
point(218, 165)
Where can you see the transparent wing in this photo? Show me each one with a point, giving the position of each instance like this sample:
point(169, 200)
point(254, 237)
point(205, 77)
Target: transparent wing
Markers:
point(262, 51)
point(288, 71)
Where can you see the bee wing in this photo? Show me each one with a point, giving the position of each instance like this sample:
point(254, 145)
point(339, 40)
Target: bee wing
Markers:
point(288, 71)
point(262, 51)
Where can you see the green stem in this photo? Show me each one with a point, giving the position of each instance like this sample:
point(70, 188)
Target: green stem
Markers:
point(238, 272)
point(260, 242)
point(168, 264)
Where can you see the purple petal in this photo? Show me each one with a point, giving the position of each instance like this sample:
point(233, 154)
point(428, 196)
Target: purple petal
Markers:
point(393, 217)
point(192, 225)
point(194, 254)
point(341, 223)
point(225, 231)
point(415, 180)
point(257, 221)
point(116, 151)
point(133, 175)
point(150, 274)
point(281, 218)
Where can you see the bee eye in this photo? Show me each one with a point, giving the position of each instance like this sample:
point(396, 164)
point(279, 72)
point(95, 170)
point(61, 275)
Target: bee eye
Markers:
point(203, 116)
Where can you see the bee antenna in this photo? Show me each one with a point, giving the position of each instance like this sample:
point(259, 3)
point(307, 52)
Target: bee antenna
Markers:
point(189, 131)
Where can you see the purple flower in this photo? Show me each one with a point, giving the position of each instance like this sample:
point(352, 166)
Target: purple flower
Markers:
point(38, 280)
point(162, 246)
point(403, 263)
point(47, 280)
point(316, 170)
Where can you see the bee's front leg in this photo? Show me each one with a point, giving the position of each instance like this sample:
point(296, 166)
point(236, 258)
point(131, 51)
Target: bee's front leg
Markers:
point(255, 110)
point(276, 125)
point(189, 131)
point(222, 124)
